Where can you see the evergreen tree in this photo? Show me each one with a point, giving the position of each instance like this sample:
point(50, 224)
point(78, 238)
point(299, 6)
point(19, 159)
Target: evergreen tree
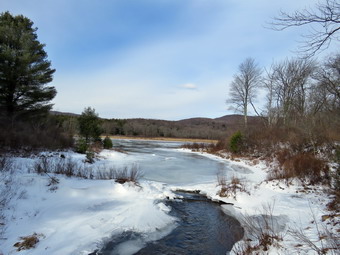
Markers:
point(89, 125)
point(24, 70)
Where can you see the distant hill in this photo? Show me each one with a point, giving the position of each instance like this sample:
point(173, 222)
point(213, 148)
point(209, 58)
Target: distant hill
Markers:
point(202, 128)
point(64, 113)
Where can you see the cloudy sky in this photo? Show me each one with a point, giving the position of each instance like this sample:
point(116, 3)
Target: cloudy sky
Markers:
point(164, 59)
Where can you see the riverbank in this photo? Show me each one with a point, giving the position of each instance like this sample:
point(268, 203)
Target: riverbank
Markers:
point(279, 217)
point(71, 215)
point(55, 214)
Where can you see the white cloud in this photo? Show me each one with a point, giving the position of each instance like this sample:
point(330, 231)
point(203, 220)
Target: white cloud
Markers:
point(189, 86)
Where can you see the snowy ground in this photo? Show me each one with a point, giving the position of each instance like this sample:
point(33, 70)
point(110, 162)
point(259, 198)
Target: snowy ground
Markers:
point(76, 216)
point(293, 208)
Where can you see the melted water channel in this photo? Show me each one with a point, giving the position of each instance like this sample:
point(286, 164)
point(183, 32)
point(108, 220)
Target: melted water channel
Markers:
point(203, 228)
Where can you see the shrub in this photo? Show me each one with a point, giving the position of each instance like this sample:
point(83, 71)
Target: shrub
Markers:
point(304, 166)
point(231, 188)
point(196, 146)
point(220, 145)
point(132, 174)
point(81, 146)
point(307, 167)
point(235, 142)
point(107, 143)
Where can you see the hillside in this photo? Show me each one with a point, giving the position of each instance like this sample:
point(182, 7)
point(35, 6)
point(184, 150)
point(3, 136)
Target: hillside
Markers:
point(201, 128)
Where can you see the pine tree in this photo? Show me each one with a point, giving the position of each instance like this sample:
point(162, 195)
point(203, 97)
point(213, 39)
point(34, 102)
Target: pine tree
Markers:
point(24, 70)
point(89, 125)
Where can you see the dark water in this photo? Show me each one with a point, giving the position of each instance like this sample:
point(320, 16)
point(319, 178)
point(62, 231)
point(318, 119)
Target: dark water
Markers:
point(202, 228)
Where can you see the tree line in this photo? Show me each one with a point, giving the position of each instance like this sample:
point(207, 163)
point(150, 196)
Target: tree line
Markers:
point(302, 93)
point(297, 90)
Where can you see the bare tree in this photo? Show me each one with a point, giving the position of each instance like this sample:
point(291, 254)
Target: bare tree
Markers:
point(329, 79)
point(243, 87)
point(288, 83)
point(323, 21)
point(271, 109)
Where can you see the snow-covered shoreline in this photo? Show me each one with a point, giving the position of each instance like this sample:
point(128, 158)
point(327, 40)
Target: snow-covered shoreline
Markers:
point(297, 209)
point(77, 216)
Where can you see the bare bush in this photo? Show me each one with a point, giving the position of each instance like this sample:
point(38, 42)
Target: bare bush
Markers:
point(126, 174)
point(197, 146)
point(304, 166)
point(65, 166)
point(106, 174)
point(262, 231)
point(231, 188)
point(220, 145)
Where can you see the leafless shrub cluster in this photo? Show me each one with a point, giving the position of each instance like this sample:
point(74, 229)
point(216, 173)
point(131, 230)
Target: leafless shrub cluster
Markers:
point(304, 166)
point(69, 167)
point(126, 174)
point(65, 166)
point(262, 231)
point(231, 188)
point(197, 146)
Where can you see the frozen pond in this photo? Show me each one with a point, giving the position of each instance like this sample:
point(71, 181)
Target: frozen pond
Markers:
point(164, 162)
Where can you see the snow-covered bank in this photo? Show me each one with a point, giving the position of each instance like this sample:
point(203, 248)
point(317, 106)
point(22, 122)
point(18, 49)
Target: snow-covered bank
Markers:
point(298, 210)
point(77, 215)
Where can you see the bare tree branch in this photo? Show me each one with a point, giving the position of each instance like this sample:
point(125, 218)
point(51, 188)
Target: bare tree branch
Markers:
point(323, 23)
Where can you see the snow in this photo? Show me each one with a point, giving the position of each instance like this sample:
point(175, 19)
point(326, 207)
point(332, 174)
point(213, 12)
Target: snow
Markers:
point(81, 214)
point(294, 209)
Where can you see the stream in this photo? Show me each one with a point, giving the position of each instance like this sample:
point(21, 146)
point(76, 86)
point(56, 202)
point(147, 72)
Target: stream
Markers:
point(202, 227)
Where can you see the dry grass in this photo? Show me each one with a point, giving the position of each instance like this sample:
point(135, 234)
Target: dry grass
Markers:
point(27, 242)
point(126, 174)
point(231, 188)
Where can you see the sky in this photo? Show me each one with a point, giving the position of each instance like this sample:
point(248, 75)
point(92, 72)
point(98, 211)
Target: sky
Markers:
point(161, 59)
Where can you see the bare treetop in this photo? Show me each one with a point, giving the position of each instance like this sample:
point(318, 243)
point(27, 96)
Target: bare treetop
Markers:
point(324, 23)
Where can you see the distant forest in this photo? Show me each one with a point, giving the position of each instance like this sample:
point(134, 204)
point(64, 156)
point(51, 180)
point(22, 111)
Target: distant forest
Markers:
point(200, 128)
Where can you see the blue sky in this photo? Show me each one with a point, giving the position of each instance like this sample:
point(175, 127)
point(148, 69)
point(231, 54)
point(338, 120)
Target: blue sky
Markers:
point(163, 59)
